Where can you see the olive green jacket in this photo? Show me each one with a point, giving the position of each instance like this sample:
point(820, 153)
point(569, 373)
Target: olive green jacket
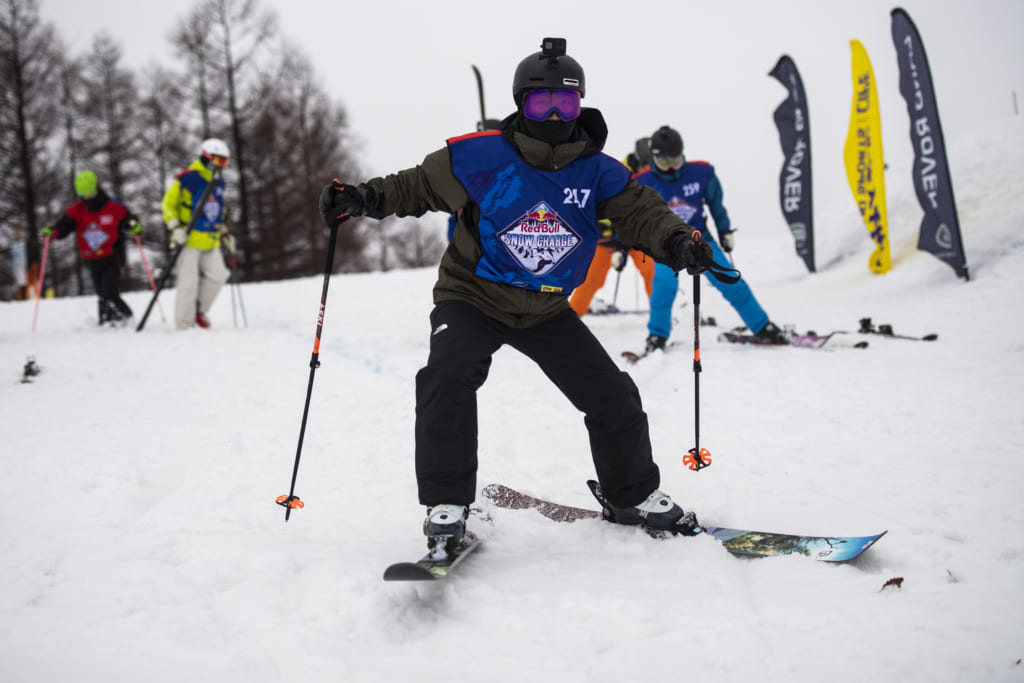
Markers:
point(641, 218)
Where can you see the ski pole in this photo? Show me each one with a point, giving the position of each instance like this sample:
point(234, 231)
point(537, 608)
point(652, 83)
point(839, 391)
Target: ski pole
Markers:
point(480, 91)
point(169, 268)
point(291, 501)
point(235, 284)
point(149, 274)
point(697, 458)
point(39, 285)
point(234, 317)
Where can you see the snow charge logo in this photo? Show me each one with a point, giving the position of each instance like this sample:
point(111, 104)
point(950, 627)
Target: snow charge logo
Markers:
point(680, 208)
point(539, 240)
point(94, 237)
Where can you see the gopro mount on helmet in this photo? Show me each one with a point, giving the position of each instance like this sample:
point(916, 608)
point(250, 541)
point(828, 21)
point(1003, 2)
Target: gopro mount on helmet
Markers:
point(550, 68)
point(553, 48)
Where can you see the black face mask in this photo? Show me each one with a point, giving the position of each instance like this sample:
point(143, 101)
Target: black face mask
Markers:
point(551, 132)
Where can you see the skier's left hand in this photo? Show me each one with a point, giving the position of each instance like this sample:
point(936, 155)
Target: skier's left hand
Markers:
point(728, 241)
point(619, 260)
point(228, 240)
point(688, 252)
point(135, 227)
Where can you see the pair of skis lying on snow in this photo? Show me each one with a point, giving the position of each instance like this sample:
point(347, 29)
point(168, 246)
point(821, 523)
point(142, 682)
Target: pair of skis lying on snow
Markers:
point(807, 340)
point(737, 541)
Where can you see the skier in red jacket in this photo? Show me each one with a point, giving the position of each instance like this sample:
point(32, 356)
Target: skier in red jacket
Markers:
point(98, 222)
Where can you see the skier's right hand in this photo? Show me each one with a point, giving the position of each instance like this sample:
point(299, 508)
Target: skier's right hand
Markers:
point(340, 201)
point(47, 231)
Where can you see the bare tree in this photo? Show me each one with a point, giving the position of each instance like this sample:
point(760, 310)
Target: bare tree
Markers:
point(415, 244)
point(191, 39)
point(29, 119)
point(109, 104)
point(303, 140)
point(240, 31)
point(70, 108)
point(161, 124)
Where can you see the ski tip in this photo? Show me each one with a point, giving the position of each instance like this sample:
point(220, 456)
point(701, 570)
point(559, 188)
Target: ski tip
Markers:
point(408, 571)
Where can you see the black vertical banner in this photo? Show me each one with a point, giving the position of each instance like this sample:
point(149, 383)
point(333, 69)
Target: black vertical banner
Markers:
point(794, 126)
point(940, 228)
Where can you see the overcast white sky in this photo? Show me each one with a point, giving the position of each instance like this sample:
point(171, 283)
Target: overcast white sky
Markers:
point(402, 69)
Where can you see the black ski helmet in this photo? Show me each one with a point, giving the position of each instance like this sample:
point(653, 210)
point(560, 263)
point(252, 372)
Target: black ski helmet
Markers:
point(666, 142)
point(549, 68)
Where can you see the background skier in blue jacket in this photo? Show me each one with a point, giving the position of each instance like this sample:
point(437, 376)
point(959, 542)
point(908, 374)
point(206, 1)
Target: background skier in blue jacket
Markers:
point(687, 187)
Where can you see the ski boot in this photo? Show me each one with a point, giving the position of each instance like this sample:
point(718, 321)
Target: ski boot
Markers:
point(445, 527)
point(654, 343)
point(770, 334)
point(658, 515)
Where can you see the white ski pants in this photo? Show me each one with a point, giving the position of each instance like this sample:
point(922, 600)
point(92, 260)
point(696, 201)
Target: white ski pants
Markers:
point(201, 274)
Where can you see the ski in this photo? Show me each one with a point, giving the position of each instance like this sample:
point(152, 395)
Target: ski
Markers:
point(632, 357)
point(741, 542)
point(866, 327)
point(809, 340)
point(430, 568)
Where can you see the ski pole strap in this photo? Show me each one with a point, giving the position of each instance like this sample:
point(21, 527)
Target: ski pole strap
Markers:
point(725, 274)
point(722, 273)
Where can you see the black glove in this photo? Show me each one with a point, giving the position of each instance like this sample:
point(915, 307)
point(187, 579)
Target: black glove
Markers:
point(688, 252)
point(339, 202)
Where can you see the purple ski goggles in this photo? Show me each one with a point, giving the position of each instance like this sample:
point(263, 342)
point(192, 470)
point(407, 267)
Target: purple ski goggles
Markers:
point(539, 104)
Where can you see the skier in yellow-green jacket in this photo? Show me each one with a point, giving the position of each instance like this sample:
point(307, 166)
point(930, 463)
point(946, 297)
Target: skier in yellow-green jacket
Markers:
point(201, 270)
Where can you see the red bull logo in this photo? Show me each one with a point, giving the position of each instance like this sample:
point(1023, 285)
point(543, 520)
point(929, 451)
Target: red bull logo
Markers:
point(680, 208)
point(541, 220)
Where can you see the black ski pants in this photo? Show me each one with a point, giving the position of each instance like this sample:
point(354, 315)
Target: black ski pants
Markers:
point(106, 277)
point(462, 342)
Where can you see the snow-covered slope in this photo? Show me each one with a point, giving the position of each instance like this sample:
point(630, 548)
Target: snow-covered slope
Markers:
point(141, 540)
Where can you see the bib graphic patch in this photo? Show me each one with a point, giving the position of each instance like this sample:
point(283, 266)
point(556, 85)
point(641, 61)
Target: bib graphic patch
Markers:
point(94, 237)
point(680, 208)
point(539, 240)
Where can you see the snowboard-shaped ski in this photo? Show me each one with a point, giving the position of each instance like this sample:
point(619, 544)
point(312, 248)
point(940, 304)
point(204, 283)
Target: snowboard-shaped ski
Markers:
point(429, 569)
point(737, 541)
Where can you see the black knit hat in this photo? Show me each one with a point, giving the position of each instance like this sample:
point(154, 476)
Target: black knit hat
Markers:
point(666, 142)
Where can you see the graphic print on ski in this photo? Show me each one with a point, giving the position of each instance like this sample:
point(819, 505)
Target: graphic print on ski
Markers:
point(808, 340)
point(740, 542)
point(429, 569)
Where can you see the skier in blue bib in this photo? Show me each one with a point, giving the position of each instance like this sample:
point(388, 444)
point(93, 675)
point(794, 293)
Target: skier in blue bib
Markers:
point(687, 186)
point(527, 200)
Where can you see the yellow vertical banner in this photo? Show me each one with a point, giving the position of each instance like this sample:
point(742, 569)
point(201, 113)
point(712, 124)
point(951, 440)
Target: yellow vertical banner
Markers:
point(865, 166)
